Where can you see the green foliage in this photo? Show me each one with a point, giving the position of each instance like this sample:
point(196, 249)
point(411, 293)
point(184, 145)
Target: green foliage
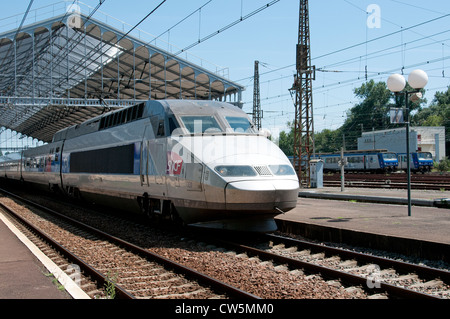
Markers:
point(110, 285)
point(437, 114)
point(443, 166)
point(328, 141)
point(286, 142)
point(372, 113)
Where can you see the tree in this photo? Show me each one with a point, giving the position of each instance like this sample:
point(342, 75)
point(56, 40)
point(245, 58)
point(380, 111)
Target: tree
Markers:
point(437, 114)
point(371, 113)
point(286, 142)
point(328, 141)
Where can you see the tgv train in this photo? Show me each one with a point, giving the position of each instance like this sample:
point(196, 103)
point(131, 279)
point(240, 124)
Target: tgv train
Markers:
point(419, 161)
point(198, 161)
point(360, 161)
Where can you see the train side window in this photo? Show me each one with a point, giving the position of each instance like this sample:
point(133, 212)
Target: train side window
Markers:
point(102, 123)
point(129, 114)
point(172, 125)
point(134, 114)
point(240, 124)
point(140, 110)
point(160, 131)
point(201, 124)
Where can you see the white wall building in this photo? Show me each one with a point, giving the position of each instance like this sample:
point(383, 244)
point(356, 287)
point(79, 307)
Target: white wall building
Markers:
point(421, 138)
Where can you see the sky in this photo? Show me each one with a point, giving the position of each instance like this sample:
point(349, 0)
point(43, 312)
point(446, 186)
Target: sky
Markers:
point(351, 41)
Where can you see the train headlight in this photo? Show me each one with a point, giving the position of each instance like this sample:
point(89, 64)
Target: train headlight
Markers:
point(282, 170)
point(232, 170)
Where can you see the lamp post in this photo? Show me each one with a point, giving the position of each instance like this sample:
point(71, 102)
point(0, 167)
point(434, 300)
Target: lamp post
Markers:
point(417, 79)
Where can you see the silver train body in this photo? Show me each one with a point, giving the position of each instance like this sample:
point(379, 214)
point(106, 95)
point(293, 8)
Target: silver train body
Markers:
point(198, 161)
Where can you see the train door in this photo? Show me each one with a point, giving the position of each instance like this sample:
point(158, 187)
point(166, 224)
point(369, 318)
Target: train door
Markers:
point(144, 163)
point(371, 162)
point(149, 151)
point(402, 161)
point(193, 175)
point(414, 160)
point(153, 167)
point(158, 153)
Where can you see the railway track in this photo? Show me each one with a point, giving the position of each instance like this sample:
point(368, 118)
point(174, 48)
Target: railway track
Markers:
point(249, 269)
point(251, 278)
point(248, 278)
point(429, 181)
point(380, 277)
point(123, 269)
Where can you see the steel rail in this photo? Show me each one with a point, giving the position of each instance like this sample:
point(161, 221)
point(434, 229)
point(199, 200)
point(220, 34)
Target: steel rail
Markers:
point(217, 284)
point(394, 180)
point(348, 278)
point(423, 271)
point(85, 267)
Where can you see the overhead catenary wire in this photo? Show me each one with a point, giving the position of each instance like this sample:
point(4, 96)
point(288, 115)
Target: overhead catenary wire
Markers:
point(290, 66)
point(227, 27)
point(182, 20)
point(355, 80)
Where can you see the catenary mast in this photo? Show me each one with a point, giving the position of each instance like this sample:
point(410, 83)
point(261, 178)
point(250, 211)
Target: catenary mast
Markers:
point(302, 89)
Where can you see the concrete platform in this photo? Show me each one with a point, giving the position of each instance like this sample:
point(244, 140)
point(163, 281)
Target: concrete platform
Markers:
point(25, 270)
point(374, 218)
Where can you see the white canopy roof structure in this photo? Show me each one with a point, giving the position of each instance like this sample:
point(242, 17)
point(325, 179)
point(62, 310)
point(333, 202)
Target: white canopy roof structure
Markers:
point(59, 72)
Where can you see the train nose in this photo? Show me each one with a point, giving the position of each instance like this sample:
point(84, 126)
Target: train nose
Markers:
point(269, 195)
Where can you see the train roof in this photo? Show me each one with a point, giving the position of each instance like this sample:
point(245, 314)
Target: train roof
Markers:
point(374, 151)
point(146, 109)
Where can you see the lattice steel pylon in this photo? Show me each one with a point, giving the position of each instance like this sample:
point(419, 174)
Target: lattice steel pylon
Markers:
point(302, 88)
point(256, 99)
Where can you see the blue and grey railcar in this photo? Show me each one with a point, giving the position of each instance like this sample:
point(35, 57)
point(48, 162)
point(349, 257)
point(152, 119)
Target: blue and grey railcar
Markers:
point(201, 162)
point(419, 162)
point(360, 161)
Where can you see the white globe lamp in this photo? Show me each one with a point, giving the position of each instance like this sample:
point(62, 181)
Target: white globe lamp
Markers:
point(396, 82)
point(418, 79)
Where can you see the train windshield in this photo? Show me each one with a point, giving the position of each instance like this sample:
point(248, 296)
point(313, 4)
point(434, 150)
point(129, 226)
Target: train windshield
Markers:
point(426, 155)
point(390, 156)
point(240, 124)
point(201, 124)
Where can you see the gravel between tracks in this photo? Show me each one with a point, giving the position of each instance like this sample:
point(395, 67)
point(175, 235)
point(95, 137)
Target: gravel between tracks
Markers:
point(263, 279)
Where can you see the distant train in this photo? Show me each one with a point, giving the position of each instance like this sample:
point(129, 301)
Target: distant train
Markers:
point(360, 161)
point(419, 162)
point(201, 162)
point(375, 161)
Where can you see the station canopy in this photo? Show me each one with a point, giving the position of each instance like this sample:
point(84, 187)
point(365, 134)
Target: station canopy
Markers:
point(59, 72)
